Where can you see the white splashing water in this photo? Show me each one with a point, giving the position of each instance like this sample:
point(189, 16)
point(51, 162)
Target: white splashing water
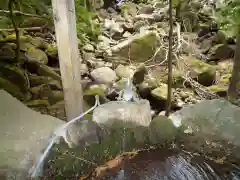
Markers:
point(61, 131)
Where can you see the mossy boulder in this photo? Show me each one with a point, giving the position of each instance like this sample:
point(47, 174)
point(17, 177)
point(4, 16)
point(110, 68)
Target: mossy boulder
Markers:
point(7, 53)
point(160, 92)
point(11, 89)
point(138, 48)
point(43, 70)
point(221, 52)
point(36, 55)
point(25, 46)
point(37, 103)
point(51, 50)
point(162, 130)
point(96, 89)
point(33, 22)
point(36, 80)
point(220, 38)
point(123, 71)
point(15, 75)
point(56, 96)
point(222, 87)
point(219, 89)
point(204, 73)
point(39, 42)
point(41, 92)
point(177, 79)
point(5, 22)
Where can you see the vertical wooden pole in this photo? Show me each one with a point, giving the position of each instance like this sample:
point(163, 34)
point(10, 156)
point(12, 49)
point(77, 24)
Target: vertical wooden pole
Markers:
point(69, 59)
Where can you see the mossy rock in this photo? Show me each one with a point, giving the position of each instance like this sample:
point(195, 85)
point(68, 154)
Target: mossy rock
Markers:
point(5, 22)
point(25, 46)
point(37, 103)
point(221, 52)
point(37, 55)
point(204, 73)
point(41, 92)
point(96, 89)
point(177, 79)
point(56, 96)
point(63, 160)
point(7, 53)
point(160, 92)
point(47, 71)
point(22, 38)
point(15, 75)
point(39, 42)
point(139, 49)
point(36, 80)
point(225, 79)
point(162, 130)
point(11, 88)
point(33, 22)
point(51, 50)
point(219, 89)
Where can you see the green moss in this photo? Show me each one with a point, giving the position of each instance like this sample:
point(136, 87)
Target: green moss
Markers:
point(218, 89)
point(15, 75)
point(52, 50)
point(177, 79)
point(141, 49)
point(204, 73)
point(37, 55)
point(96, 90)
point(37, 103)
point(160, 92)
point(67, 162)
point(11, 88)
point(225, 79)
point(22, 38)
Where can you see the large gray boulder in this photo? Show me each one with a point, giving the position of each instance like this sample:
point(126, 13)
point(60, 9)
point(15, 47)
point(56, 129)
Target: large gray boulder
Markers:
point(24, 134)
point(210, 121)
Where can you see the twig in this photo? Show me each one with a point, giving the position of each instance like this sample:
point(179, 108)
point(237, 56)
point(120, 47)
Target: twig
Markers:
point(24, 29)
point(10, 7)
point(20, 13)
point(81, 159)
point(169, 95)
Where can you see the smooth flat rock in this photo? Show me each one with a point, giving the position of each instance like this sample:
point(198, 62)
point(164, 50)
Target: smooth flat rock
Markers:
point(23, 135)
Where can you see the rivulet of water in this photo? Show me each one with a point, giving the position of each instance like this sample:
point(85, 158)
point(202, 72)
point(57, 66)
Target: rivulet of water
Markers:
point(59, 132)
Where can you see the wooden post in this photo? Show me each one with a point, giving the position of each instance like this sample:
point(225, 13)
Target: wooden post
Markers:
point(69, 59)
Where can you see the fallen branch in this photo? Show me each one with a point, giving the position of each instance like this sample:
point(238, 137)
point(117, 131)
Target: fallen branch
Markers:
point(201, 90)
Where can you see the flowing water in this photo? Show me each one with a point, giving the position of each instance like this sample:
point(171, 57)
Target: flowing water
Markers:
point(165, 164)
point(60, 132)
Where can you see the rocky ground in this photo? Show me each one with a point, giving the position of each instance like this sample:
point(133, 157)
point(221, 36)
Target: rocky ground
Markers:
point(133, 42)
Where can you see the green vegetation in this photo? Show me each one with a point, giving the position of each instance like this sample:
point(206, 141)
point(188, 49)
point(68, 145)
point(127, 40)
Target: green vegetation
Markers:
point(87, 29)
point(228, 17)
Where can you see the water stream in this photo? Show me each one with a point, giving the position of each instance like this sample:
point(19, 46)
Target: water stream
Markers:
point(58, 133)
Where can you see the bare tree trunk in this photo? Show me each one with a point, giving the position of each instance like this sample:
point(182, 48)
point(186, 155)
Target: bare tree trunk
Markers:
point(169, 96)
point(234, 87)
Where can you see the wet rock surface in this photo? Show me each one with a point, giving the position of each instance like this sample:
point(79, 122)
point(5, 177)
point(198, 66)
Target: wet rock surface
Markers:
point(172, 165)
